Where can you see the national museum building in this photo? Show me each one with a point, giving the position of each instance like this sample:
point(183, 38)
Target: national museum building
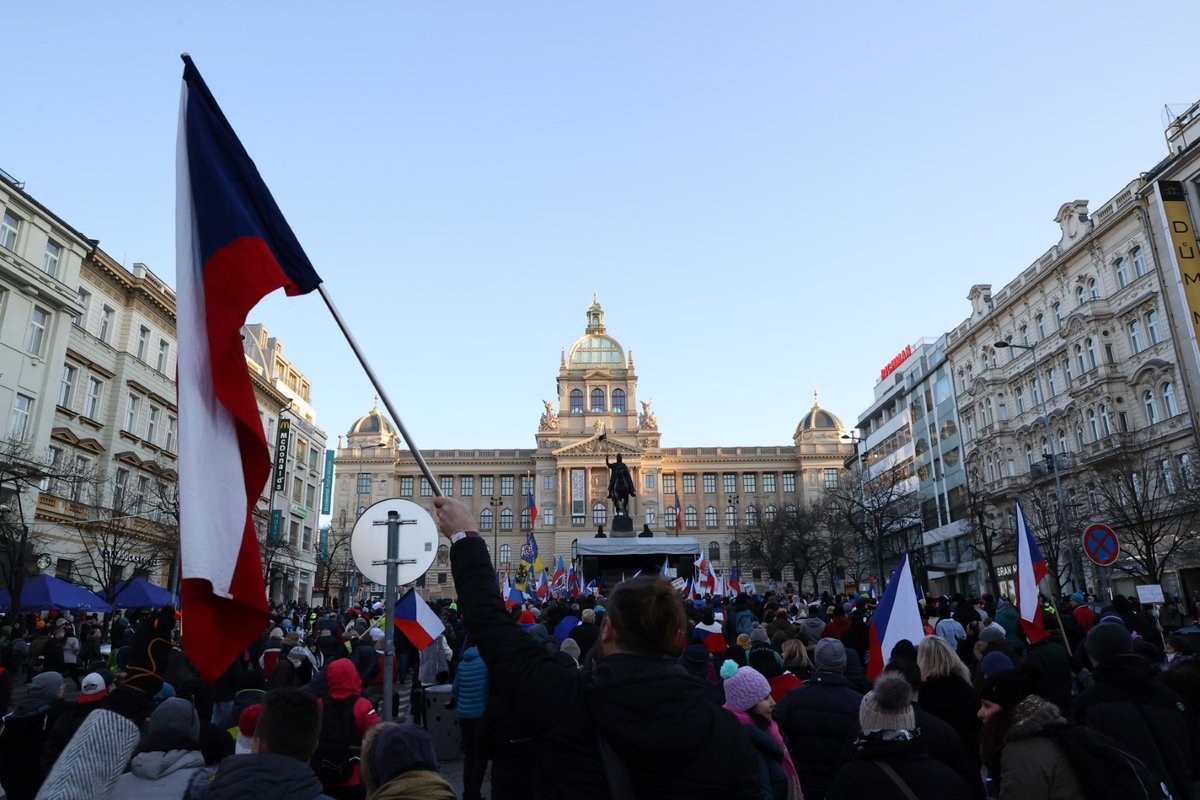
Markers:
point(720, 488)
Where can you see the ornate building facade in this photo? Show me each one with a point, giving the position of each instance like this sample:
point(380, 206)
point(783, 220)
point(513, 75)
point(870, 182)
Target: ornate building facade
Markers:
point(597, 413)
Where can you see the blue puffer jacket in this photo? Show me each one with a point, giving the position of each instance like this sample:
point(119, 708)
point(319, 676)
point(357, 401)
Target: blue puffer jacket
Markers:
point(471, 685)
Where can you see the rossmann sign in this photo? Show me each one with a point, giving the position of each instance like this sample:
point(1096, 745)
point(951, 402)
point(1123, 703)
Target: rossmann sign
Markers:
point(892, 365)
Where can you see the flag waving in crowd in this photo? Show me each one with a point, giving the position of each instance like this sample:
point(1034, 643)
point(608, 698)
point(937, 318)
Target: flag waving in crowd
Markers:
point(233, 247)
point(530, 565)
point(1031, 570)
point(416, 620)
point(897, 617)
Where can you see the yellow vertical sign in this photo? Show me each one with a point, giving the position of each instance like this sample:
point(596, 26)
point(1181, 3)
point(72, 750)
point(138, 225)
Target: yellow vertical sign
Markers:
point(1183, 245)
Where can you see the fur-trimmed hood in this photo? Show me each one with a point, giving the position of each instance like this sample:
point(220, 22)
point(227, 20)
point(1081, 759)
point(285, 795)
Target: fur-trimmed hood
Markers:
point(1032, 716)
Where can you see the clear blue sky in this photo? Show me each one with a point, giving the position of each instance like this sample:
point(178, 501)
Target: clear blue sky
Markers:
point(769, 197)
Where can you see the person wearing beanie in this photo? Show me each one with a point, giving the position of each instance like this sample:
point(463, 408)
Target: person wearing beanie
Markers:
point(570, 648)
point(251, 689)
point(995, 662)
point(820, 718)
point(1130, 704)
point(246, 725)
point(1018, 743)
point(398, 763)
point(812, 629)
point(169, 755)
point(748, 698)
point(25, 732)
point(891, 739)
point(1082, 613)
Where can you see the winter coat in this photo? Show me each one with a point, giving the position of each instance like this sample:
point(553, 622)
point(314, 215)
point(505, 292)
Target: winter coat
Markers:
point(952, 631)
point(435, 660)
point(1033, 766)
point(1051, 667)
point(1009, 619)
point(263, 776)
point(365, 660)
point(94, 758)
point(471, 685)
point(772, 778)
point(926, 778)
point(837, 627)
point(943, 744)
point(953, 700)
point(418, 784)
point(158, 775)
point(819, 720)
point(344, 683)
point(22, 739)
point(585, 635)
point(241, 701)
point(64, 728)
point(667, 737)
point(1146, 718)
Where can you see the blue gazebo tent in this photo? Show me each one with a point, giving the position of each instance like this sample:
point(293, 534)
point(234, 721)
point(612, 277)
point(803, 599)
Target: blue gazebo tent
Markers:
point(47, 593)
point(140, 593)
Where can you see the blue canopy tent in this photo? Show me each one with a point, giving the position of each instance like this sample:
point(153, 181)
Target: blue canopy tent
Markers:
point(46, 592)
point(140, 593)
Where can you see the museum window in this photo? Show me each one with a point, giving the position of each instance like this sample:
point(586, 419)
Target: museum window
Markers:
point(466, 485)
point(548, 518)
point(768, 481)
point(731, 516)
point(525, 519)
point(597, 400)
point(506, 485)
point(649, 480)
point(406, 486)
point(651, 515)
point(1139, 263)
point(505, 553)
point(669, 517)
point(599, 514)
point(770, 513)
point(710, 483)
point(729, 482)
point(714, 551)
point(831, 475)
point(485, 520)
point(526, 485)
point(506, 519)
point(751, 515)
point(547, 483)
point(447, 484)
point(789, 482)
point(749, 482)
point(669, 483)
point(487, 485)
point(576, 401)
point(618, 401)
point(689, 483)
point(710, 517)
point(690, 518)
point(426, 487)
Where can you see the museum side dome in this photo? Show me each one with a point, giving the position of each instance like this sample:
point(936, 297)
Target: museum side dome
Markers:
point(373, 423)
point(818, 419)
point(596, 348)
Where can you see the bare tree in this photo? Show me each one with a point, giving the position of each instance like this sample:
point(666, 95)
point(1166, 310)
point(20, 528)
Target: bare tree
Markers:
point(988, 539)
point(768, 542)
point(1050, 531)
point(883, 509)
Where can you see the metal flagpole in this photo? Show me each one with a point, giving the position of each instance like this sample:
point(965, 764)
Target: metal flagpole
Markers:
point(387, 403)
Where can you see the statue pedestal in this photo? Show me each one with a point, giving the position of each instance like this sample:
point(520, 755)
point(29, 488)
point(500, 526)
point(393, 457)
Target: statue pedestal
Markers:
point(622, 526)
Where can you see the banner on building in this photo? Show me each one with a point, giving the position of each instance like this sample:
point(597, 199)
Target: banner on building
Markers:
point(578, 492)
point(276, 532)
point(282, 442)
point(1178, 224)
point(327, 489)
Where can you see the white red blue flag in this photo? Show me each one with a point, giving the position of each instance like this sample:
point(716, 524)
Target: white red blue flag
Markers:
point(233, 247)
point(532, 509)
point(416, 620)
point(896, 617)
point(735, 585)
point(1031, 570)
point(560, 573)
point(678, 513)
point(543, 586)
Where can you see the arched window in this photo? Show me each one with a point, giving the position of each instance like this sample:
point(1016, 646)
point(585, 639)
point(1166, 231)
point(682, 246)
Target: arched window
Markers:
point(790, 508)
point(1139, 263)
point(1091, 418)
point(735, 549)
point(714, 551)
point(751, 515)
point(710, 517)
point(525, 519)
point(1062, 440)
point(770, 513)
point(1135, 336)
point(1091, 353)
point(443, 554)
point(618, 401)
point(1041, 326)
point(1121, 272)
point(1029, 455)
point(1168, 393)
point(1151, 407)
point(597, 400)
point(1079, 295)
point(1079, 359)
point(577, 401)
point(690, 518)
point(730, 516)
point(669, 517)
point(1079, 437)
point(1105, 424)
point(990, 468)
point(506, 519)
point(1057, 315)
point(1051, 381)
point(485, 520)
point(1093, 289)
point(574, 550)
point(599, 514)
point(505, 553)
point(1152, 330)
point(1025, 335)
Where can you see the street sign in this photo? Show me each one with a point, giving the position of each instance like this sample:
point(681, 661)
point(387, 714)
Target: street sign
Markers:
point(1100, 544)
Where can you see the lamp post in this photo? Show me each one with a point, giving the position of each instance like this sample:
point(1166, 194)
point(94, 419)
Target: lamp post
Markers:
point(495, 503)
point(737, 547)
point(861, 455)
point(1076, 567)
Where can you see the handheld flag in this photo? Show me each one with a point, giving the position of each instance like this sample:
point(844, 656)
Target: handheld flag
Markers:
point(665, 568)
point(560, 572)
point(233, 247)
point(417, 621)
point(735, 585)
point(591, 588)
point(896, 617)
point(1031, 570)
point(572, 581)
point(678, 513)
point(515, 596)
point(531, 563)
point(532, 509)
point(543, 586)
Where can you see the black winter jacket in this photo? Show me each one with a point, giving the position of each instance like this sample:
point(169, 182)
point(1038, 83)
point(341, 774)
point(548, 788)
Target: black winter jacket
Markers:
point(928, 779)
point(954, 700)
point(654, 716)
point(819, 721)
point(1149, 720)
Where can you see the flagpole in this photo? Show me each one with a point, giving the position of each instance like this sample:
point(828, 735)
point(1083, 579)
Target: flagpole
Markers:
point(387, 403)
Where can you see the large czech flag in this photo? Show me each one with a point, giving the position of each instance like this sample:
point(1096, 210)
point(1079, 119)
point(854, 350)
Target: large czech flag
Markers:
point(233, 247)
point(1031, 570)
point(896, 617)
point(417, 621)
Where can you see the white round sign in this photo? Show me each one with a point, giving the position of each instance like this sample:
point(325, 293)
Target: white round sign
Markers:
point(418, 541)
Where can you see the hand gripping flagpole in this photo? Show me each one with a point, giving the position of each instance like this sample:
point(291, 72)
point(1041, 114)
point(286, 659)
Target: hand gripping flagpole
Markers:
point(387, 403)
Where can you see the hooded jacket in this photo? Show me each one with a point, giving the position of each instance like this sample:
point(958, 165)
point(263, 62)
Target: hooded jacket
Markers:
point(264, 776)
point(471, 685)
point(1035, 766)
point(819, 720)
point(664, 734)
point(926, 778)
point(344, 683)
point(158, 775)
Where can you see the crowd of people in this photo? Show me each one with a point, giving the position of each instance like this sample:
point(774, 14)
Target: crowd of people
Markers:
point(637, 693)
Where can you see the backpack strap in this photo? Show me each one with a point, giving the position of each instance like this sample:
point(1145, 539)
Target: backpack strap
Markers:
point(904, 788)
point(620, 784)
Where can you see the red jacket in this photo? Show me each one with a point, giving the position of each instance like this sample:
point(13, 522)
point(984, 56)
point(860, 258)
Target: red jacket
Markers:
point(344, 682)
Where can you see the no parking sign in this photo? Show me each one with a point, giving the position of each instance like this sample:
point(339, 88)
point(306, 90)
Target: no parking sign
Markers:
point(1100, 544)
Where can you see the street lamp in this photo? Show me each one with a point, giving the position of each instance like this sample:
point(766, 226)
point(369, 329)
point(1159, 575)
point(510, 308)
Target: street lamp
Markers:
point(737, 547)
point(1076, 567)
point(861, 453)
point(495, 503)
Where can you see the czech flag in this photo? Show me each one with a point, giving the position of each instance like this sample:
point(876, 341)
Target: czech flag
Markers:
point(515, 596)
point(896, 617)
point(735, 585)
point(543, 586)
point(572, 581)
point(233, 247)
point(1031, 570)
point(416, 620)
point(560, 572)
point(532, 509)
point(678, 513)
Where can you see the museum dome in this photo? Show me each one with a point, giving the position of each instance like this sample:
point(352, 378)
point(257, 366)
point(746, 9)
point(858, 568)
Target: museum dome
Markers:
point(596, 348)
point(373, 423)
point(818, 419)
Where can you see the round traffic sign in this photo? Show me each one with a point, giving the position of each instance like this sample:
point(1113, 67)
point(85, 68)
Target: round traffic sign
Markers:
point(1100, 544)
point(418, 541)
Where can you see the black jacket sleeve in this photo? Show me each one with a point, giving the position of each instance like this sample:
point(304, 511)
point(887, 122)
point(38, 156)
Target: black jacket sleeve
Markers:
point(517, 665)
